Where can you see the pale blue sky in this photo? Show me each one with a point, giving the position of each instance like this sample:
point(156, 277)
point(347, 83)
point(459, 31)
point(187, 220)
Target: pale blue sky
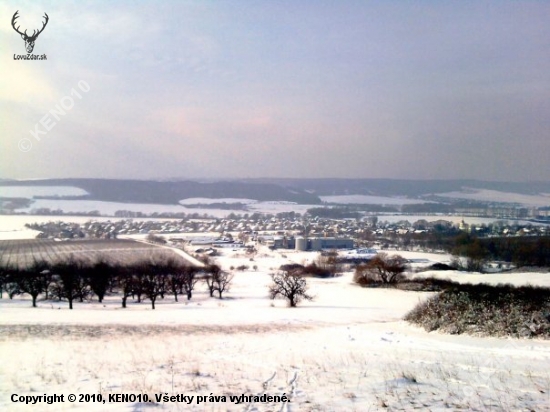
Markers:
point(400, 89)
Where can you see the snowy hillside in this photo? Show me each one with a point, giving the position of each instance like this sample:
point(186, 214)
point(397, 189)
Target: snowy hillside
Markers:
point(348, 350)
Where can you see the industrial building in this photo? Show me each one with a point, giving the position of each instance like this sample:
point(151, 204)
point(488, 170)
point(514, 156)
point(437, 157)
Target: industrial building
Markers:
point(304, 244)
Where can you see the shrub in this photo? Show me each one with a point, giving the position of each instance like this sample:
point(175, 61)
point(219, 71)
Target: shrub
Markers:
point(441, 266)
point(486, 310)
point(364, 278)
point(381, 269)
point(310, 270)
point(156, 239)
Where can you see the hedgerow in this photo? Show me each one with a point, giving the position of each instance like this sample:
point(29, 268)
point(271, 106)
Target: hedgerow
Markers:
point(486, 310)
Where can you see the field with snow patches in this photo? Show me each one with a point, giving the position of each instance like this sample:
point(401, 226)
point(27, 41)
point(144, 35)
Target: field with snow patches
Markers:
point(456, 219)
point(109, 208)
point(104, 208)
point(29, 192)
point(13, 227)
point(486, 195)
point(209, 201)
point(348, 350)
point(371, 200)
point(513, 278)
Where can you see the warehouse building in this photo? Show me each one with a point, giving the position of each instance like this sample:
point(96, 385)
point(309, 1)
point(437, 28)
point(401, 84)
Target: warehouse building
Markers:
point(305, 244)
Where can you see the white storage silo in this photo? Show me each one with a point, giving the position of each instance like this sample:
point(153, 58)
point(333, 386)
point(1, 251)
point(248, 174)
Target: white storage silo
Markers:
point(301, 244)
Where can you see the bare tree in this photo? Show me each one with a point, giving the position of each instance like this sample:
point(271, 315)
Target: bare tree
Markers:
point(3, 278)
point(175, 283)
point(70, 283)
point(222, 282)
point(189, 280)
point(153, 279)
point(99, 277)
point(137, 280)
point(381, 269)
point(125, 280)
point(328, 262)
point(210, 272)
point(217, 280)
point(33, 280)
point(7, 280)
point(181, 278)
point(289, 285)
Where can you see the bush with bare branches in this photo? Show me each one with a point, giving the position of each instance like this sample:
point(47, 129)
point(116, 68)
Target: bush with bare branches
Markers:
point(381, 269)
point(217, 280)
point(289, 285)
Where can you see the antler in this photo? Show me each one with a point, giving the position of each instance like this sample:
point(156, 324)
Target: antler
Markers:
point(34, 33)
point(43, 26)
point(15, 16)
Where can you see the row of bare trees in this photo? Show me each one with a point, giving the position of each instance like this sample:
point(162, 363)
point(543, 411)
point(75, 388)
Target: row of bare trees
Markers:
point(76, 280)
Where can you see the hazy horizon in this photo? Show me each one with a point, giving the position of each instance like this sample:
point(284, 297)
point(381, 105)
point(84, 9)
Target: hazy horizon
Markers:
point(260, 178)
point(289, 89)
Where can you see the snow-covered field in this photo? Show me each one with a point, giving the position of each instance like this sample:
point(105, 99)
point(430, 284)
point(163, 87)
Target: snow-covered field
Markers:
point(104, 208)
point(278, 207)
point(29, 192)
point(486, 195)
point(109, 208)
point(394, 218)
point(513, 278)
point(371, 200)
point(209, 201)
point(348, 350)
point(13, 227)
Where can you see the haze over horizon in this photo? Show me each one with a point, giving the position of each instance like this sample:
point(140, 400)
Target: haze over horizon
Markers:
point(299, 89)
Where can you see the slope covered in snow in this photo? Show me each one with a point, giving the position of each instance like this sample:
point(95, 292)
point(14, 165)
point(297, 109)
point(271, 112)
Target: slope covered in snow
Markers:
point(348, 350)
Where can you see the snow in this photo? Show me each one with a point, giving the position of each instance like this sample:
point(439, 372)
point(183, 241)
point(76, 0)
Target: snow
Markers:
point(19, 234)
point(279, 207)
point(104, 208)
point(29, 192)
point(109, 208)
point(371, 200)
point(394, 218)
point(513, 278)
point(13, 227)
point(486, 195)
point(348, 350)
point(209, 201)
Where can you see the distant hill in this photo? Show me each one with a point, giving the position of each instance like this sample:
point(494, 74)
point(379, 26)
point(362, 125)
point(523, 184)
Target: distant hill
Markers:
point(301, 191)
point(145, 191)
point(398, 187)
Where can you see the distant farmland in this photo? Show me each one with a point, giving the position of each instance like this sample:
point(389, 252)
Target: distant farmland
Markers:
point(21, 253)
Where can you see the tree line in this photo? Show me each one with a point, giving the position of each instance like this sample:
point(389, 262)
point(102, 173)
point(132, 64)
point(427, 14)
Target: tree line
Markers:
point(77, 280)
point(477, 250)
point(520, 251)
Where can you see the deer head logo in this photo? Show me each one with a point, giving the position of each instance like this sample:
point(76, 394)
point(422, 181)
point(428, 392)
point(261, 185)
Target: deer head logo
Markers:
point(29, 40)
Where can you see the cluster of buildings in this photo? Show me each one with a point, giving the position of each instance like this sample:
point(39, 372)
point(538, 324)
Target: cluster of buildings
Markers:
point(286, 230)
